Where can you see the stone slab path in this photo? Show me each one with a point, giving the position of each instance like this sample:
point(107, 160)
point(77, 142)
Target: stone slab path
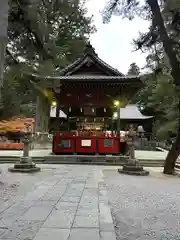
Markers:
point(71, 204)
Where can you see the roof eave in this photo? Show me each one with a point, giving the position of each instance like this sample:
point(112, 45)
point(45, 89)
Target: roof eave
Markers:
point(89, 52)
point(135, 118)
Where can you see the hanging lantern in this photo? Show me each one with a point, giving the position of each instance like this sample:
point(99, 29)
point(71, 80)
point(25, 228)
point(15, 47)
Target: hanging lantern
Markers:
point(92, 109)
point(104, 109)
point(54, 103)
point(69, 109)
point(81, 109)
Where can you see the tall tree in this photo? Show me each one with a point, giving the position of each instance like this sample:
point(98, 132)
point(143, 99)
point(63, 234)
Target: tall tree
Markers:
point(42, 38)
point(51, 32)
point(159, 31)
point(4, 8)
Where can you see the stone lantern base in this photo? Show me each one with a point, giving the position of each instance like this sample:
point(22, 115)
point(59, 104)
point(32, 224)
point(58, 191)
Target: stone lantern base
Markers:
point(24, 166)
point(133, 168)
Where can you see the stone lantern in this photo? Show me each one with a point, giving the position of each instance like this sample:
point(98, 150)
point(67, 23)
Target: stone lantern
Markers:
point(132, 167)
point(25, 164)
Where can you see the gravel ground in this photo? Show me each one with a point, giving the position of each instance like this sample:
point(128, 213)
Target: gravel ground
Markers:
point(16, 185)
point(144, 208)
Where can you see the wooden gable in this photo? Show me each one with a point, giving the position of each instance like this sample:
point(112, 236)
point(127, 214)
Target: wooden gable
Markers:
point(90, 64)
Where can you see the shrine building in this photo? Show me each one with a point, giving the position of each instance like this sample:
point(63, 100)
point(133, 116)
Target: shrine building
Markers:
point(88, 91)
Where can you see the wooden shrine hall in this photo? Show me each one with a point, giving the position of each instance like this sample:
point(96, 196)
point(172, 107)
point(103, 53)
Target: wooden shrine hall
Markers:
point(89, 92)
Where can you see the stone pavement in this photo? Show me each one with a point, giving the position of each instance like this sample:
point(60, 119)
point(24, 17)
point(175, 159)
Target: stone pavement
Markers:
point(71, 204)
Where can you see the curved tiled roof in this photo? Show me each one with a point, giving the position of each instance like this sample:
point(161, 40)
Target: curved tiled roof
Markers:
point(57, 80)
point(89, 56)
point(106, 75)
point(130, 112)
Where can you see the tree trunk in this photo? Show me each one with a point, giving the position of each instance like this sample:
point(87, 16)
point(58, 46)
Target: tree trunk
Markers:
point(175, 149)
point(168, 48)
point(172, 155)
point(4, 8)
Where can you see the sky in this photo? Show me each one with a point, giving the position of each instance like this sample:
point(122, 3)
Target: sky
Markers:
point(113, 41)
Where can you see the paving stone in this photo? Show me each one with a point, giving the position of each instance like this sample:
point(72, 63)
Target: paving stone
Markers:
point(58, 189)
point(54, 234)
point(83, 179)
point(91, 205)
point(79, 181)
point(23, 204)
point(107, 235)
point(106, 222)
point(49, 197)
point(22, 230)
point(74, 193)
point(60, 219)
point(89, 200)
point(91, 191)
point(53, 195)
point(5, 205)
point(89, 196)
point(62, 205)
point(84, 234)
point(77, 185)
point(2, 230)
point(103, 199)
point(66, 198)
point(87, 212)
point(50, 182)
point(105, 226)
point(105, 213)
point(65, 181)
point(35, 195)
point(3, 224)
point(12, 213)
point(86, 222)
point(91, 185)
point(67, 206)
point(37, 213)
point(44, 203)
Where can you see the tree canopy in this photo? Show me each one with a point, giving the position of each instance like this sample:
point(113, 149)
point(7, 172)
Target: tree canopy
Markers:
point(162, 90)
point(43, 37)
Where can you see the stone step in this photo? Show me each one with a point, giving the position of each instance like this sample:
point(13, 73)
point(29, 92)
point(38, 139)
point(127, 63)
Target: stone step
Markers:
point(96, 160)
point(13, 159)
